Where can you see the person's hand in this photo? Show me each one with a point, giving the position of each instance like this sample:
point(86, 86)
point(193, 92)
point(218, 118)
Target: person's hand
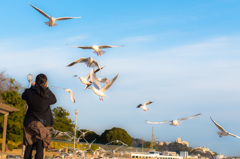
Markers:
point(46, 84)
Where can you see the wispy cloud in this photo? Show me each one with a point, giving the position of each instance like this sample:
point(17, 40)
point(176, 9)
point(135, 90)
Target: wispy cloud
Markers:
point(216, 46)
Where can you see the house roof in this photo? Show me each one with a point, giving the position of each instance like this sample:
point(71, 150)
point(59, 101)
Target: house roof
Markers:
point(5, 109)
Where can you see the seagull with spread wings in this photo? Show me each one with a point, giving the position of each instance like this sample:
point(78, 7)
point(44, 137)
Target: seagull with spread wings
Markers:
point(69, 91)
point(174, 122)
point(223, 131)
point(144, 107)
point(90, 62)
point(67, 133)
point(52, 20)
point(98, 90)
point(85, 80)
point(96, 48)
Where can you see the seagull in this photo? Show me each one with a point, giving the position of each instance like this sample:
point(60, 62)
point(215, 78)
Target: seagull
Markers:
point(96, 48)
point(68, 134)
point(223, 131)
point(100, 152)
point(90, 62)
point(117, 141)
point(67, 90)
point(174, 122)
point(89, 146)
point(52, 20)
point(84, 133)
point(145, 105)
point(100, 91)
point(54, 131)
point(85, 80)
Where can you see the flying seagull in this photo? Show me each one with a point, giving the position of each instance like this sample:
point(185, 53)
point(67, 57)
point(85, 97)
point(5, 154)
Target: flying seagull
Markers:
point(83, 133)
point(85, 80)
point(67, 133)
point(89, 146)
point(96, 48)
point(52, 20)
point(69, 91)
point(223, 131)
point(145, 105)
point(90, 62)
point(174, 122)
point(100, 91)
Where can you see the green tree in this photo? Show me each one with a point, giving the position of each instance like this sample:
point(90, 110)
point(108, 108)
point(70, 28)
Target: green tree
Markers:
point(62, 120)
point(12, 97)
point(147, 144)
point(115, 134)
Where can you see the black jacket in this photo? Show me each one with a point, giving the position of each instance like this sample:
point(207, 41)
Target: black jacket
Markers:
point(38, 107)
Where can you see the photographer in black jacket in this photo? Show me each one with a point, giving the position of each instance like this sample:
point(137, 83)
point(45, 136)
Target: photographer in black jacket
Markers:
point(38, 118)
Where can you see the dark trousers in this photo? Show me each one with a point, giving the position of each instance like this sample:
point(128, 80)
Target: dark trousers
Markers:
point(39, 150)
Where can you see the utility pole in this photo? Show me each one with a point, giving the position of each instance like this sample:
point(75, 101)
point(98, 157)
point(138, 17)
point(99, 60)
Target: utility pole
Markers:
point(142, 144)
point(153, 138)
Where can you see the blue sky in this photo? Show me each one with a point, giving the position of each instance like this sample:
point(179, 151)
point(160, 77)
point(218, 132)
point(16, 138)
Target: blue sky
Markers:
point(184, 55)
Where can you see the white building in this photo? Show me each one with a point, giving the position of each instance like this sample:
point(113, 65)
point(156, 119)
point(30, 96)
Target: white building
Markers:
point(182, 142)
point(184, 154)
point(220, 157)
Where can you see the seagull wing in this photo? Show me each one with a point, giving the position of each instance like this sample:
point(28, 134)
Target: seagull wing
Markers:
point(72, 95)
point(197, 115)
point(92, 143)
point(96, 64)
point(59, 134)
point(82, 59)
point(95, 71)
point(82, 47)
point(148, 102)
point(109, 84)
point(108, 46)
point(94, 79)
point(233, 135)
point(42, 12)
point(139, 105)
point(219, 127)
point(65, 18)
point(152, 122)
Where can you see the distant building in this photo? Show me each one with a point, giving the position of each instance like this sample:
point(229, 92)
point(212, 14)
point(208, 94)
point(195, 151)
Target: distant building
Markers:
point(220, 157)
point(182, 142)
point(168, 153)
point(203, 148)
point(162, 143)
point(184, 154)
